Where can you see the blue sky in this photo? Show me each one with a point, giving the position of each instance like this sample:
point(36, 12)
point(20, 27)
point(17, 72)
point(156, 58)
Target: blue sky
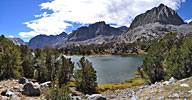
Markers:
point(28, 18)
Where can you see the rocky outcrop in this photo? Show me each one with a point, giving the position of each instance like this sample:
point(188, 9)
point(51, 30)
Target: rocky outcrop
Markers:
point(17, 41)
point(46, 84)
point(161, 14)
point(123, 28)
point(7, 93)
point(96, 97)
point(40, 41)
point(31, 89)
point(158, 91)
point(152, 31)
point(93, 31)
point(23, 80)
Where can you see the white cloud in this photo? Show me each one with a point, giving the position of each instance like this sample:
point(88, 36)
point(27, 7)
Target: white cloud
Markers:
point(44, 14)
point(11, 36)
point(119, 12)
point(188, 21)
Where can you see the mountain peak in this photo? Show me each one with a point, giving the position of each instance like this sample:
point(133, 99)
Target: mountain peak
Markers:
point(93, 31)
point(161, 5)
point(161, 14)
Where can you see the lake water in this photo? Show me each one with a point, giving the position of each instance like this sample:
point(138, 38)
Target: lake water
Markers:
point(113, 68)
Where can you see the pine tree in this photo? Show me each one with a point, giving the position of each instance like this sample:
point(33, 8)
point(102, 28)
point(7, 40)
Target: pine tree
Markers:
point(9, 59)
point(65, 70)
point(27, 61)
point(86, 77)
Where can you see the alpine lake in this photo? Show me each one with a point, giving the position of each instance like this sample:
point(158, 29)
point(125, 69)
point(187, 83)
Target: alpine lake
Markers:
point(112, 68)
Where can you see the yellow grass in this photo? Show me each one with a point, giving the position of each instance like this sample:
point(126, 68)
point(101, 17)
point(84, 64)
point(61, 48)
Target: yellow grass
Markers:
point(136, 81)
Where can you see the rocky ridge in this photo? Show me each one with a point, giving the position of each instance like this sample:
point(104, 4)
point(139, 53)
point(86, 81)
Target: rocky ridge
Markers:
point(40, 41)
point(17, 41)
point(93, 31)
point(154, 23)
point(152, 31)
point(96, 33)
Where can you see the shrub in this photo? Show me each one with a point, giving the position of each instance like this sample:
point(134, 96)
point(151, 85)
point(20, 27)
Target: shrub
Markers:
point(58, 93)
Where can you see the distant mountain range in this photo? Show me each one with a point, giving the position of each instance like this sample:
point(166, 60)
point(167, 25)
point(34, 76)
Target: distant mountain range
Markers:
point(154, 23)
point(100, 32)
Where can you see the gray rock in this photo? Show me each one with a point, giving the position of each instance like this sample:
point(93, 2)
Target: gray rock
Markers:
point(166, 83)
point(4, 98)
point(76, 98)
point(7, 93)
point(17, 88)
point(23, 80)
point(175, 95)
point(31, 89)
point(185, 79)
point(184, 85)
point(134, 98)
point(147, 98)
point(190, 91)
point(161, 98)
point(1, 87)
point(46, 84)
point(96, 97)
point(171, 80)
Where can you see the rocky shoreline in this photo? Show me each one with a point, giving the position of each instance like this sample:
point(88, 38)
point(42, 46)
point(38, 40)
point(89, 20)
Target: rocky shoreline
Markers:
point(168, 90)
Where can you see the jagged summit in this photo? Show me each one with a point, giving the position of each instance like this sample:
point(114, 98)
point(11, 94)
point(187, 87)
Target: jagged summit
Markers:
point(161, 14)
point(93, 30)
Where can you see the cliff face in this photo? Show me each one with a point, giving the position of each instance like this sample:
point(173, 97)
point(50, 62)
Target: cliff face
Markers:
point(93, 31)
point(43, 40)
point(17, 41)
point(155, 23)
point(161, 14)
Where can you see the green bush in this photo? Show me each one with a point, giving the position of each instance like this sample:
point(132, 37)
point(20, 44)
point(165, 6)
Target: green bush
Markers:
point(58, 93)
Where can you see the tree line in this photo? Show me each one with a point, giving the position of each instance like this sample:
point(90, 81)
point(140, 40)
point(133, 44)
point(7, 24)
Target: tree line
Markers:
point(45, 64)
point(110, 48)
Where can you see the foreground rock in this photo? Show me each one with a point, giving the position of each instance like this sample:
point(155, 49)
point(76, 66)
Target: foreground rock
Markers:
point(31, 89)
point(7, 93)
point(23, 80)
point(46, 84)
point(96, 97)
